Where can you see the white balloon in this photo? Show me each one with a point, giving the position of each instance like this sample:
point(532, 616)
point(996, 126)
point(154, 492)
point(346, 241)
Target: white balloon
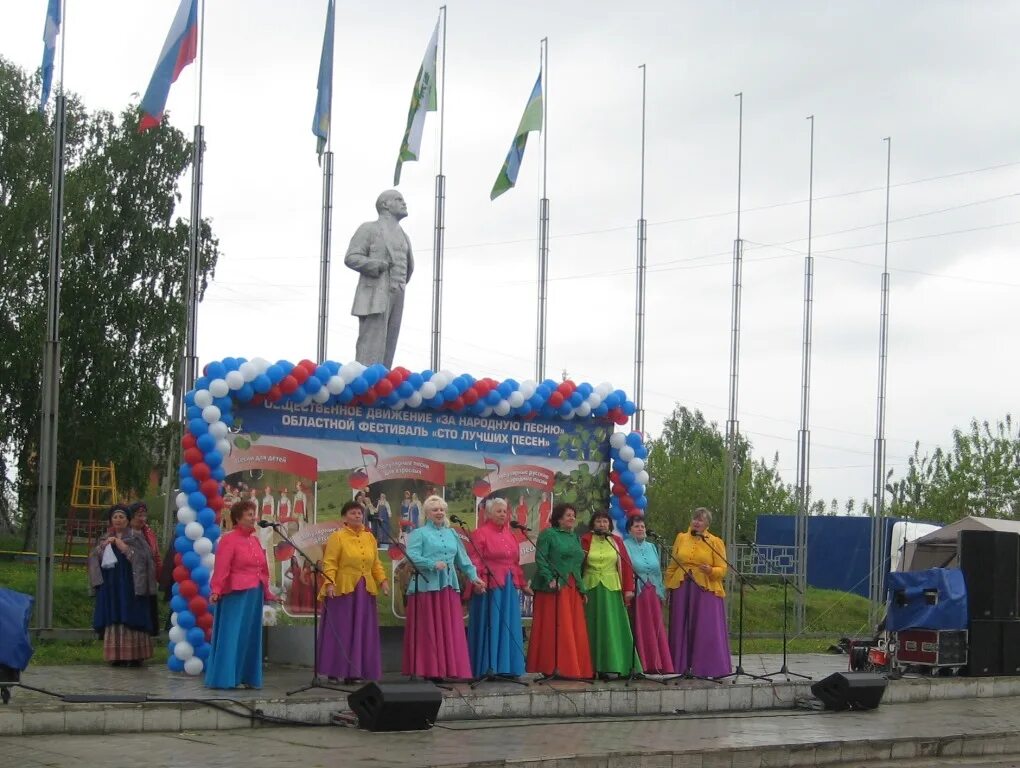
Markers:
point(502, 408)
point(261, 364)
point(584, 410)
point(235, 379)
point(641, 477)
point(397, 405)
point(182, 499)
point(173, 619)
point(185, 515)
point(414, 400)
point(209, 561)
point(448, 375)
point(202, 546)
point(194, 531)
point(248, 371)
point(604, 388)
point(516, 399)
point(183, 650)
point(194, 666)
point(439, 381)
point(211, 414)
point(636, 464)
point(626, 453)
point(350, 371)
point(618, 440)
point(321, 395)
point(177, 634)
point(219, 430)
point(594, 400)
point(527, 388)
point(335, 385)
point(428, 390)
point(219, 388)
point(203, 398)
point(569, 416)
point(224, 447)
point(487, 412)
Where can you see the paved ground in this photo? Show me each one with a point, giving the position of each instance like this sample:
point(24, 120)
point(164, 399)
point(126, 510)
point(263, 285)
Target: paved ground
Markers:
point(930, 734)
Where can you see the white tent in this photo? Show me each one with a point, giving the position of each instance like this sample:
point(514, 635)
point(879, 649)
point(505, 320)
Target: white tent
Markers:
point(938, 548)
point(904, 532)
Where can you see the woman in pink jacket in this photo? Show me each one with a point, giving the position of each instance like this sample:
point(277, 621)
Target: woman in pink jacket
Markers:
point(240, 585)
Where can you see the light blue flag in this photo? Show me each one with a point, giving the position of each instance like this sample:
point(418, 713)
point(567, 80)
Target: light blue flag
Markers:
point(50, 32)
point(530, 121)
point(324, 104)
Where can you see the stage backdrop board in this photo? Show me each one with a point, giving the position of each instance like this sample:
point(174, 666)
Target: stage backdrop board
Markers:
point(399, 458)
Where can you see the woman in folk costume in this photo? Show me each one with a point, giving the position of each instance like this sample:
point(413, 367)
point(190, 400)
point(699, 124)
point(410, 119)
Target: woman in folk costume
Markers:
point(349, 645)
point(652, 640)
point(559, 634)
point(609, 586)
point(698, 637)
point(435, 645)
point(495, 638)
point(123, 578)
point(240, 586)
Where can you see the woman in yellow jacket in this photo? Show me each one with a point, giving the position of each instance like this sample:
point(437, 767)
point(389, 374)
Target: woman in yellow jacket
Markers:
point(353, 575)
point(698, 638)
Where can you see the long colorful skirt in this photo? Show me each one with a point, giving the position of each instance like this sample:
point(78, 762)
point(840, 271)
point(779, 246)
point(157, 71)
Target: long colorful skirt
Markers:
point(435, 644)
point(652, 640)
point(559, 635)
point(122, 618)
point(122, 643)
point(612, 643)
point(495, 636)
point(697, 613)
point(349, 645)
point(236, 656)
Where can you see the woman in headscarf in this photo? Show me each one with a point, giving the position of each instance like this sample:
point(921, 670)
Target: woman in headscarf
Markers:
point(122, 576)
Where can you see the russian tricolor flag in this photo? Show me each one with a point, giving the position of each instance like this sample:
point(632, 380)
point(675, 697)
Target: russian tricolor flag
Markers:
point(179, 51)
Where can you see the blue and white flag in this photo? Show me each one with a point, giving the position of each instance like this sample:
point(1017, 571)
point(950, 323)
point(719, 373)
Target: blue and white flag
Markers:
point(50, 32)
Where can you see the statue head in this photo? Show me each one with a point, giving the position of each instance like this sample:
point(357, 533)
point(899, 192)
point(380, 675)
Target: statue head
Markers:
point(391, 202)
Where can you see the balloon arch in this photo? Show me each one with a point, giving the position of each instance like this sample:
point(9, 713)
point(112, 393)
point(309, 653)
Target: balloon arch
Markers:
point(251, 382)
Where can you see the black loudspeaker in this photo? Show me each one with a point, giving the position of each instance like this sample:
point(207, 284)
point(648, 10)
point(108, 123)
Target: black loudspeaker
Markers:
point(396, 706)
point(851, 690)
point(990, 561)
point(1011, 647)
point(984, 651)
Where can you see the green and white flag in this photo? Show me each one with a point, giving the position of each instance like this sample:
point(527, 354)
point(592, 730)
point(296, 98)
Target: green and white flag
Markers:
point(423, 99)
point(530, 121)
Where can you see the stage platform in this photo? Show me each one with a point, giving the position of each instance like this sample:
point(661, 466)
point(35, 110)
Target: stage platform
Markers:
point(106, 700)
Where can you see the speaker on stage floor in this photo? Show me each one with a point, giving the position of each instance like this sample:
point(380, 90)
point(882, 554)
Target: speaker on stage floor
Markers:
point(851, 690)
point(984, 648)
point(990, 561)
point(396, 706)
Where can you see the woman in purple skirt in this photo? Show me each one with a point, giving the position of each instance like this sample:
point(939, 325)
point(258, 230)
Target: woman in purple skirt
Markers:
point(698, 638)
point(349, 632)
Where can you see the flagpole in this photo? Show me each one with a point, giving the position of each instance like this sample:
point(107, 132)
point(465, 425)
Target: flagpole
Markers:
point(732, 425)
point(50, 412)
point(543, 219)
point(638, 421)
point(440, 218)
point(878, 542)
point(326, 241)
point(803, 434)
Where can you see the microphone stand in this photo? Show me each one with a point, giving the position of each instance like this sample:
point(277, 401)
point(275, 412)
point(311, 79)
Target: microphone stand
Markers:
point(742, 580)
point(490, 675)
point(555, 674)
point(413, 677)
point(316, 573)
point(783, 670)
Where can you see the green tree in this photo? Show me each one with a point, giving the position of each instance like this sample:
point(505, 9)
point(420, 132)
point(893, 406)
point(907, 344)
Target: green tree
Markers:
point(686, 465)
point(121, 300)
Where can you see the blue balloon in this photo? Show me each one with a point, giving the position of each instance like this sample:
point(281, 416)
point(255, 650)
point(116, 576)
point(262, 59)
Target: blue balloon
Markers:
point(175, 589)
point(602, 410)
point(323, 373)
point(202, 651)
point(198, 427)
point(641, 502)
point(178, 604)
point(206, 517)
point(261, 383)
point(405, 390)
point(391, 399)
point(206, 442)
point(359, 386)
point(183, 544)
point(215, 370)
point(173, 663)
point(223, 403)
point(312, 385)
point(434, 402)
point(334, 367)
point(299, 394)
point(202, 382)
point(285, 365)
point(212, 533)
point(611, 401)
point(627, 478)
point(426, 375)
point(185, 619)
point(205, 590)
point(191, 559)
point(231, 364)
point(493, 397)
point(275, 373)
point(345, 396)
point(245, 393)
point(451, 393)
point(629, 408)
point(416, 380)
point(575, 399)
point(565, 409)
point(178, 530)
point(193, 412)
point(504, 390)
point(196, 500)
point(189, 485)
point(370, 375)
point(213, 459)
point(189, 398)
point(641, 452)
point(633, 439)
point(219, 474)
point(547, 411)
point(199, 574)
point(196, 636)
point(543, 391)
point(185, 470)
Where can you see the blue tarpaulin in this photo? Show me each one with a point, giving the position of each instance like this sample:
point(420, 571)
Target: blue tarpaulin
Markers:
point(932, 599)
point(15, 613)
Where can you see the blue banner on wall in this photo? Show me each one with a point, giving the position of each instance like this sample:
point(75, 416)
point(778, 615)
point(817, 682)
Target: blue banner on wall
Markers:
point(581, 441)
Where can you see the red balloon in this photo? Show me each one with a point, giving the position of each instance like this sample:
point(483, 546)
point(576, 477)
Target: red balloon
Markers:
point(208, 632)
point(288, 384)
point(556, 399)
point(215, 503)
point(210, 488)
point(619, 490)
point(193, 455)
point(470, 396)
point(201, 471)
point(181, 573)
point(188, 589)
point(258, 399)
point(299, 374)
point(457, 404)
point(395, 377)
point(482, 387)
point(384, 387)
point(274, 393)
point(188, 441)
point(178, 558)
point(198, 605)
point(369, 398)
point(626, 502)
point(309, 366)
point(621, 418)
point(205, 621)
point(614, 477)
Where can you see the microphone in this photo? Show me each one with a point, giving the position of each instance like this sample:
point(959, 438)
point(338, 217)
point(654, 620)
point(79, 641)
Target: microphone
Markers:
point(268, 524)
point(603, 534)
point(373, 517)
point(652, 534)
point(456, 520)
point(519, 526)
point(698, 535)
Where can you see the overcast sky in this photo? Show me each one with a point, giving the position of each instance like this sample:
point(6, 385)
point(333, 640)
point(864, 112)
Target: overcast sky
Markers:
point(932, 75)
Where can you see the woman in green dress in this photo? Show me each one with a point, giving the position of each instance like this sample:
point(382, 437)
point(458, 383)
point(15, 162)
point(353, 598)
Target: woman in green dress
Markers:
point(609, 584)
